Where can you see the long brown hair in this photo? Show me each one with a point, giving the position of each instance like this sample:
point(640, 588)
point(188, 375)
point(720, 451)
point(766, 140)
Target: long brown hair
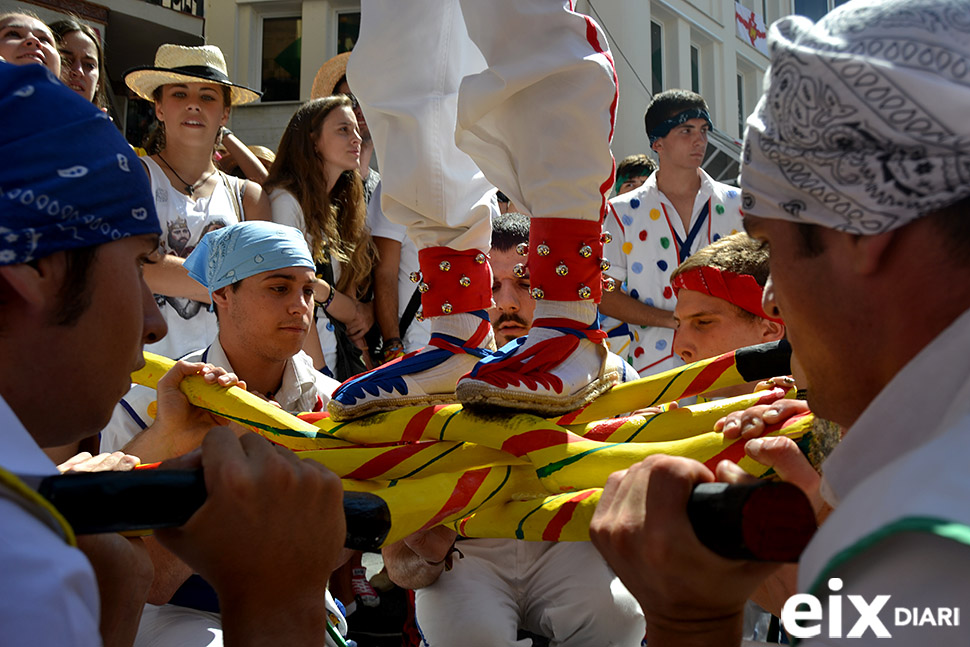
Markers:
point(335, 220)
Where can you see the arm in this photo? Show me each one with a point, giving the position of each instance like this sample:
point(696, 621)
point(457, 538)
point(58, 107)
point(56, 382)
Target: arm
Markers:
point(122, 566)
point(179, 427)
point(386, 304)
point(689, 595)
point(248, 163)
point(625, 308)
point(170, 572)
point(418, 560)
point(268, 496)
point(256, 203)
point(168, 276)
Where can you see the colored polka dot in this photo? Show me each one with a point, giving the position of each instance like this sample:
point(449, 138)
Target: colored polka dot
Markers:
point(732, 194)
point(635, 203)
point(655, 214)
point(642, 328)
point(638, 352)
point(643, 234)
point(649, 302)
point(734, 231)
point(626, 219)
point(665, 242)
point(662, 265)
point(627, 248)
point(634, 294)
point(153, 409)
point(719, 208)
point(717, 237)
point(661, 344)
point(668, 292)
point(637, 267)
point(330, 326)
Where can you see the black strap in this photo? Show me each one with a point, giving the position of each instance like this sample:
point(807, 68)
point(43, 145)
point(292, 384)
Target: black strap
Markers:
point(409, 312)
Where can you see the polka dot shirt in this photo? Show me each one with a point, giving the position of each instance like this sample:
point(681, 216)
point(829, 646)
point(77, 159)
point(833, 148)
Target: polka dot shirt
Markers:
point(649, 242)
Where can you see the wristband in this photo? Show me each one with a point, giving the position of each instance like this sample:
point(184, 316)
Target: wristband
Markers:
point(326, 304)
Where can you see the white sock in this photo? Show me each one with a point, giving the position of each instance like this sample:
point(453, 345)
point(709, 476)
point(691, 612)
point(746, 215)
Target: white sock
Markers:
point(584, 311)
point(462, 325)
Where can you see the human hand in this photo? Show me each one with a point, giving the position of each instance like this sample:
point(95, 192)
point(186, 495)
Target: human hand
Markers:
point(432, 545)
point(266, 538)
point(362, 322)
point(751, 422)
point(688, 594)
point(85, 462)
point(180, 427)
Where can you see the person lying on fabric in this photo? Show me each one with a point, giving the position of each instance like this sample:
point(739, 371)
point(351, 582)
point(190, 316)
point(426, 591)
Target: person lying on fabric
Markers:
point(500, 586)
point(78, 226)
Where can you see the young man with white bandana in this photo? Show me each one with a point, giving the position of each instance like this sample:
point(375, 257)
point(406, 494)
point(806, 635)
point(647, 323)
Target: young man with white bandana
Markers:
point(864, 199)
point(77, 226)
point(677, 211)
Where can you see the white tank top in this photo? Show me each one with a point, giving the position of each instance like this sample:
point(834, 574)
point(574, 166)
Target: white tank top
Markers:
point(184, 221)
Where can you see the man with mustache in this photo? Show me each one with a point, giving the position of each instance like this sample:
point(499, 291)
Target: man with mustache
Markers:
point(512, 314)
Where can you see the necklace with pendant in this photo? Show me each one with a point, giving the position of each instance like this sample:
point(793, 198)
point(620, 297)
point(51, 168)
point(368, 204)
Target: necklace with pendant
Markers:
point(189, 188)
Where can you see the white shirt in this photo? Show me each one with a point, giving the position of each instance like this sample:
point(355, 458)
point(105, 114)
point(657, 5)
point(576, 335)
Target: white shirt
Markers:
point(48, 593)
point(646, 248)
point(902, 463)
point(418, 332)
point(303, 389)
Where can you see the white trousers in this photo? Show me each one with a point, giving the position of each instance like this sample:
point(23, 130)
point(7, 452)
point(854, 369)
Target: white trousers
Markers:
point(564, 591)
point(461, 96)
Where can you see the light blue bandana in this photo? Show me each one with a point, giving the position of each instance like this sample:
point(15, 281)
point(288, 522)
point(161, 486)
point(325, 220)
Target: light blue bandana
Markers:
point(236, 252)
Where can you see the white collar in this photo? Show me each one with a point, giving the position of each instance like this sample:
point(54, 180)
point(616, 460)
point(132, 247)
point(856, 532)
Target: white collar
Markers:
point(19, 452)
point(298, 376)
point(907, 413)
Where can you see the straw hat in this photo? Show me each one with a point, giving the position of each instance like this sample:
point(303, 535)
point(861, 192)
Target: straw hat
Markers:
point(181, 64)
point(329, 75)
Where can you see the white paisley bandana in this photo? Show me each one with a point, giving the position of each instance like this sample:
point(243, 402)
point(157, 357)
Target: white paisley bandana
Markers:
point(865, 121)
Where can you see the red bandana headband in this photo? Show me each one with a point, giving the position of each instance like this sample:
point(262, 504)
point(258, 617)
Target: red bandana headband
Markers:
point(741, 290)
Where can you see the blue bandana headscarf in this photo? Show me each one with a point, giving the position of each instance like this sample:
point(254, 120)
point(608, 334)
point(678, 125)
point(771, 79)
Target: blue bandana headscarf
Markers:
point(68, 178)
point(238, 251)
point(663, 129)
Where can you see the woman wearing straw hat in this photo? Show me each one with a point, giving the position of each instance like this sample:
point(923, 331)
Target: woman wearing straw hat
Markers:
point(192, 94)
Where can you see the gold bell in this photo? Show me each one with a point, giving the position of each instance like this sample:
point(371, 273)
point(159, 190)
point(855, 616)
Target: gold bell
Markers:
point(604, 264)
point(479, 258)
point(519, 270)
point(446, 308)
point(464, 281)
point(423, 287)
point(609, 284)
point(522, 249)
point(585, 251)
point(414, 276)
point(419, 315)
point(607, 238)
point(584, 292)
point(444, 266)
point(537, 293)
point(561, 269)
point(543, 250)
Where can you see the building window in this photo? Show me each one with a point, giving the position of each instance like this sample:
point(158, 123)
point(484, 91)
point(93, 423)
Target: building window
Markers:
point(281, 59)
point(657, 57)
point(815, 9)
point(741, 113)
point(348, 29)
point(695, 70)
